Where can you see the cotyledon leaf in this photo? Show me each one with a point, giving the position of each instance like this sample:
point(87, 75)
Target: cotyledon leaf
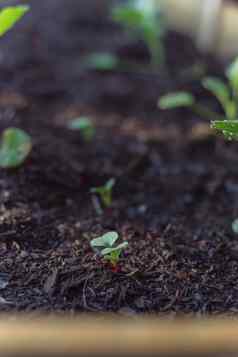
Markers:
point(15, 147)
point(106, 240)
point(121, 246)
point(176, 100)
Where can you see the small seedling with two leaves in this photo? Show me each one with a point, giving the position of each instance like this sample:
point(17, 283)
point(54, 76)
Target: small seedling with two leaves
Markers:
point(106, 247)
point(105, 193)
point(226, 92)
point(85, 126)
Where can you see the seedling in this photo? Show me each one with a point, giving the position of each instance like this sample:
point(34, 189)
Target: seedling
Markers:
point(102, 61)
point(105, 246)
point(15, 147)
point(105, 192)
point(105, 61)
point(85, 126)
point(226, 92)
point(143, 18)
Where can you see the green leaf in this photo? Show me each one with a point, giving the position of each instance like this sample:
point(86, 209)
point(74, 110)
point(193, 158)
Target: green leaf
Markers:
point(231, 110)
point(219, 89)
point(85, 126)
point(15, 147)
point(10, 15)
point(105, 192)
point(106, 240)
point(176, 100)
point(229, 128)
point(101, 61)
point(137, 13)
point(128, 15)
point(119, 248)
point(232, 75)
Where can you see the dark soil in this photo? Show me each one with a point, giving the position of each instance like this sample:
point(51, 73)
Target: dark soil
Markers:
point(177, 184)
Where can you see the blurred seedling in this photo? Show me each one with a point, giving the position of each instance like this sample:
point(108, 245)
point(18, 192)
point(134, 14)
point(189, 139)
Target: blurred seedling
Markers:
point(105, 195)
point(102, 61)
point(144, 19)
point(84, 126)
point(15, 146)
point(226, 92)
point(106, 247)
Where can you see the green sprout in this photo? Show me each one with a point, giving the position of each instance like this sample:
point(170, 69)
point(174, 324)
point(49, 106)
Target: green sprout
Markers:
point(102, 61)
point(105, 192)
point(226, 92)
point(15, 146)
point(105, 246)
point(144, 19)
point(85, 126)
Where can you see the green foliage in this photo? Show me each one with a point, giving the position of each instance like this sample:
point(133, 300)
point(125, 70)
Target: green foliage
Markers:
point(229, 128)
point(232, 75)
point(101, 61)
point(85, 126)
point(105, 192)
point(226, 92)
point(105, 245)
point(176, 100)
point(144, 19)
point(15, 147)
point(223, 94)
point(10, 15)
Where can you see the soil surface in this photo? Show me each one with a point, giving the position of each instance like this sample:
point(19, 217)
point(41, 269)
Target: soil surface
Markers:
point(176, 191)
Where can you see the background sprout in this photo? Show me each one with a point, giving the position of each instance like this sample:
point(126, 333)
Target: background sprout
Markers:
point(105, 192)
point(144, 18)
point(226, 92)
point(176, 100)
point(101, 61)
point(15, 147)
point(105, 246)
point(85, 126)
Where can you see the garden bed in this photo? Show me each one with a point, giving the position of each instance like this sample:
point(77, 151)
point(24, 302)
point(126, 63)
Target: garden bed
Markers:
point(177, 183)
